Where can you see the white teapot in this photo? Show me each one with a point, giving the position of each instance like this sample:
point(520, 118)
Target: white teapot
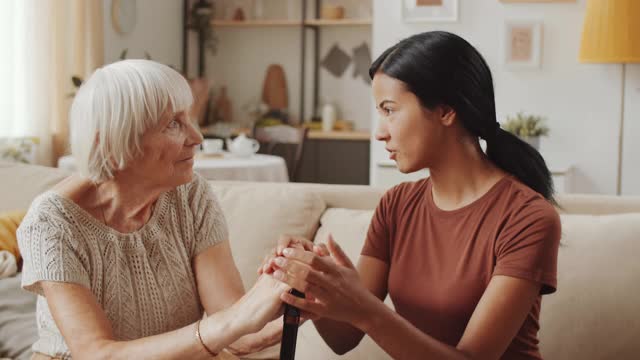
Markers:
point(243, 146)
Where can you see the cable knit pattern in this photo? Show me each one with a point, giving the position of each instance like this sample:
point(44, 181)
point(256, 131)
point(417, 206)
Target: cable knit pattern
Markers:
point(143, 280)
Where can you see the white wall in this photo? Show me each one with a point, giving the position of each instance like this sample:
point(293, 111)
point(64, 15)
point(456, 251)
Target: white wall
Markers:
point(158, 31)
point(581, 101)
point(631, 153)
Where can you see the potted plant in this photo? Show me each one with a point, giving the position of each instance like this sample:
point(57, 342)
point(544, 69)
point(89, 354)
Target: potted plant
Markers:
point(529, 128)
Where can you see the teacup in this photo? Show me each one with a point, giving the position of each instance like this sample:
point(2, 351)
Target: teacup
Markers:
point(212, 146)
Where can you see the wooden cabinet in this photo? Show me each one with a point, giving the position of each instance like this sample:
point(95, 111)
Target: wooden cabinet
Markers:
point(337, 159)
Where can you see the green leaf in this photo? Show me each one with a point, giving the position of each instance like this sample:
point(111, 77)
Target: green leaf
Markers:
point(526, 125)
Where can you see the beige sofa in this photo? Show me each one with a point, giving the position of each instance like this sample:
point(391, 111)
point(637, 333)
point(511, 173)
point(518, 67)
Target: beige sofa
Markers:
point(594, 315)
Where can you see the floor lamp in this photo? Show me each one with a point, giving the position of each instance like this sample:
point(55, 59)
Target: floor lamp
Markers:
point(611, 34)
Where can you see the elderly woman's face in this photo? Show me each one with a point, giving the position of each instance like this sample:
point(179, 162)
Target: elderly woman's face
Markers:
point(168, 151)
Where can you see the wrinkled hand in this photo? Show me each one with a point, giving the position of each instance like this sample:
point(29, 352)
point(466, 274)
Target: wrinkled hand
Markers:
point(270, 335)
point(331, 282)
point(290, 241)
point(262, 303)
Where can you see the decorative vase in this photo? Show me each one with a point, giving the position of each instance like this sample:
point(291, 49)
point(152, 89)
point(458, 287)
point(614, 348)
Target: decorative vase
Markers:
point(534, 141)
point(328, 117)
point(223, 106)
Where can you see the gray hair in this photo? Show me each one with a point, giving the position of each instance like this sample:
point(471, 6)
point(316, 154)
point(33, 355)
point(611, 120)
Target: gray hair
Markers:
point(114, 108)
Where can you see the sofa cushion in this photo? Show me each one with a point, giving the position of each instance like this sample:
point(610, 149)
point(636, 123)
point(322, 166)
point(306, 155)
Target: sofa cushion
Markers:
point(594, 314)
point(258, 215)
point(349, 228)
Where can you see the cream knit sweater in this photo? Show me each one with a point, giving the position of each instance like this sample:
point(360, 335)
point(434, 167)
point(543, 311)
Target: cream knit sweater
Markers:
point(143, 280)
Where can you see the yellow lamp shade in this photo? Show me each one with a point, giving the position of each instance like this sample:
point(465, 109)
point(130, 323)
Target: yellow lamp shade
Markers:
point(611, 32)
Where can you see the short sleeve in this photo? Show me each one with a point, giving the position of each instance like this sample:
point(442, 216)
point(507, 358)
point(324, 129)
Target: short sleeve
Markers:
point(50, 254)
point(527, 247)
point(210, 225)
point(378, 241)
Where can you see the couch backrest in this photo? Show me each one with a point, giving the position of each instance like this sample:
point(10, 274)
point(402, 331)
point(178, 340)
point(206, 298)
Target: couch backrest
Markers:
point(359, 197)
point(590, 204)
point(362, 197)
point(20, 184)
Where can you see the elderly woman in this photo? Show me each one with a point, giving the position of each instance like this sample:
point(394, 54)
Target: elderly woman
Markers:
point(127, 255)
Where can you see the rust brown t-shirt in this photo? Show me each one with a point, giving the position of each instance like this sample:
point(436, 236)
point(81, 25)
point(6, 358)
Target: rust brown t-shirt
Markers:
point(440, 262)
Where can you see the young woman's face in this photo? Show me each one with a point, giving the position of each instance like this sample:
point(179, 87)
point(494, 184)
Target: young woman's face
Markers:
point(168, 150)
point(412, 133)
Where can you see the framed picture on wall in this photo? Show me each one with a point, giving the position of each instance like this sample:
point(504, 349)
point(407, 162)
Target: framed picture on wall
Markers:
point(429, 10)
point(522, 44)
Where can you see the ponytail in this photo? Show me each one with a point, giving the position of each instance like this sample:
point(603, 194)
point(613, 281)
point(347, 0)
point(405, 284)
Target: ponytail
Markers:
point(520, 159)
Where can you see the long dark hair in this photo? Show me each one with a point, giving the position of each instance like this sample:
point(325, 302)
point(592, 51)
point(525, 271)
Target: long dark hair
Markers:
point(441, 68)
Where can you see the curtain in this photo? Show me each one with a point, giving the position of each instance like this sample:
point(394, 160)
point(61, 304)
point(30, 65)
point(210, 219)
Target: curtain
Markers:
point(44, 43)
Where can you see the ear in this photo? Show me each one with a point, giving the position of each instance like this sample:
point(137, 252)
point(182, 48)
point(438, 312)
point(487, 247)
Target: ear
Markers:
point(447, 115)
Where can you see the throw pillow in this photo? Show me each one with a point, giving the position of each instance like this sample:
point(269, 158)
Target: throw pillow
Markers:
point(348, 227)
point(258, 214)
point(9, 222)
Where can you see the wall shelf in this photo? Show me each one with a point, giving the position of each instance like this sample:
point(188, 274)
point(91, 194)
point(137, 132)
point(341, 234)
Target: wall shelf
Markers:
point(359, 135)
point(290, 23)
point(309, 25)
point(255, 23)
point(344, 22)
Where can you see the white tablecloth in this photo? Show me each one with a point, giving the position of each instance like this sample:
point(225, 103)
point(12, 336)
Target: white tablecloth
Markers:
point(258, 167)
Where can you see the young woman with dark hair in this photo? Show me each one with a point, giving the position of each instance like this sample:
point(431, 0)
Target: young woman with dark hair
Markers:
point(465, 254)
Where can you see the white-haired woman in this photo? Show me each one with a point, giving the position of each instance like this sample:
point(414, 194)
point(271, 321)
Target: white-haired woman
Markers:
point(126, 255)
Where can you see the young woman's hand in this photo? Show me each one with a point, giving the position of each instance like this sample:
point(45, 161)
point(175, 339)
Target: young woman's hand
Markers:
point(290, 241)
point(331, 283)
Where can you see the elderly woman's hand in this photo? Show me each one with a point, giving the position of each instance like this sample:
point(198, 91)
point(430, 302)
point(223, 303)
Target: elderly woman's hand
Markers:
point(290, 241)
point(252, 343)
point(332, 284)
point(261, 303)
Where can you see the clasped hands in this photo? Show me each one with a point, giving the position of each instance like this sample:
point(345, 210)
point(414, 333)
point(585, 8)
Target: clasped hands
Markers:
point(324, 273)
